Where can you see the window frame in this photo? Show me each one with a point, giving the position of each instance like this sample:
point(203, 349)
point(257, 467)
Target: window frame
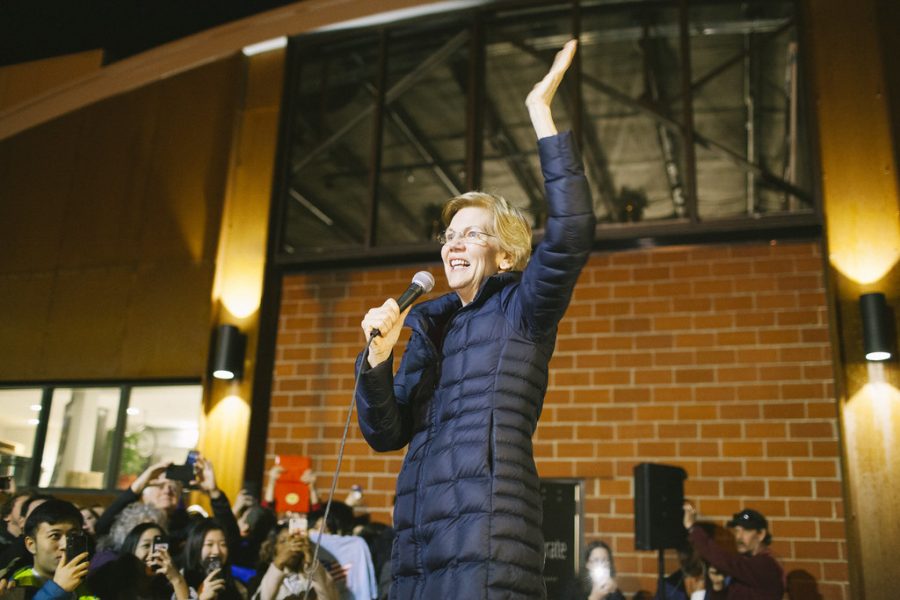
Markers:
point(691, 229)
point(125, 388)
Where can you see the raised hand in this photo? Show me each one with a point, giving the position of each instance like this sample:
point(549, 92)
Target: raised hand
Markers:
point(541, 95)
point(69, 575)
point(152, 475)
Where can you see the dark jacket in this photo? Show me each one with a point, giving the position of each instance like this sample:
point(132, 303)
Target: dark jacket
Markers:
point(466, 399)
point(757, 577)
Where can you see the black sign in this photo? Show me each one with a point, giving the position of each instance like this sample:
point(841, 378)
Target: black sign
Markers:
point(562, 534)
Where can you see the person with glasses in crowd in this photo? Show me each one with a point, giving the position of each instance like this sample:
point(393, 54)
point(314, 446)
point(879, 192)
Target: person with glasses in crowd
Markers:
point(470, 386)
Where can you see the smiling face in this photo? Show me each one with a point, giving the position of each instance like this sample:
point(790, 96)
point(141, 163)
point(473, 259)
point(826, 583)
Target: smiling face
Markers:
point(214, 545)
point(145, 544)
point(469, 263)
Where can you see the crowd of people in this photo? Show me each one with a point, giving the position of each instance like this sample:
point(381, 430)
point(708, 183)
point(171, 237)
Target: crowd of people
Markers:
point(147, 545)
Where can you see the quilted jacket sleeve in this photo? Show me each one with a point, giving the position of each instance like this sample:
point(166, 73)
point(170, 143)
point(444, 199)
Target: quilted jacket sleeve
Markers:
point(550, 276)
point(384, 418)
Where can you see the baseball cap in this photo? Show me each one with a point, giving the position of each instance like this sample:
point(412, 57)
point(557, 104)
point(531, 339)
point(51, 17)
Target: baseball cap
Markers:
point(749, 519)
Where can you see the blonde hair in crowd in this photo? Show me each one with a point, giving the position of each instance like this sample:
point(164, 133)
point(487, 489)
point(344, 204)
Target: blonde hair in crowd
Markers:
point(507, 223)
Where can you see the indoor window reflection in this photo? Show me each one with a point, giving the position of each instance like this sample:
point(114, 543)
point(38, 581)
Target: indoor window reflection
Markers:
point(162, 425)
point(18, 423)
point(80, 435)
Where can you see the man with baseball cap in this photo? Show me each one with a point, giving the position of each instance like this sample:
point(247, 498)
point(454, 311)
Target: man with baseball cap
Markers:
point(753, 574)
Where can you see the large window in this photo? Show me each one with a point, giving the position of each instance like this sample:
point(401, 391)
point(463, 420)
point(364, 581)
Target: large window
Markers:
point(95, 437)
point(688, 116)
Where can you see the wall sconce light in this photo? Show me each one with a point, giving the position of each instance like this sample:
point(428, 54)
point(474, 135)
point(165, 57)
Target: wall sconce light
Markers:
point(878, 330)
point(228, 359)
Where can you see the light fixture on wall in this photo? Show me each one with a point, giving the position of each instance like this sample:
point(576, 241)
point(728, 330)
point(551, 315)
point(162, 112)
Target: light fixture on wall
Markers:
point(228, 359)
point(878, 330)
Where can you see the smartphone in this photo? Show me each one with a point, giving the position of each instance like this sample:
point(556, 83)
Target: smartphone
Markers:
point(76, 543)
point(182, 473)
point(159, 543)
point(297, 525)
point(212, 564)
point(192, 458)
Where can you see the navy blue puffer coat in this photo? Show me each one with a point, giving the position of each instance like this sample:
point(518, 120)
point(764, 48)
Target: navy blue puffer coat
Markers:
point(466, 399)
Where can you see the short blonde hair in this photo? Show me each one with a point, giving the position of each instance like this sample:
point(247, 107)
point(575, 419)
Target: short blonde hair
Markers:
point(507, 222)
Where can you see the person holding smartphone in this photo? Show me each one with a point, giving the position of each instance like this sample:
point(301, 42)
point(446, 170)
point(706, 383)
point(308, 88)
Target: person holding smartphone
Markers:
point(207, 567)
point(285, 559)
point(149, 544)
point(60, 562)
point(153, 488)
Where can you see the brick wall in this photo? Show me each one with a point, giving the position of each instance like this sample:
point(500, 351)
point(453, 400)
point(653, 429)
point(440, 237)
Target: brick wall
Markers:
point(713, 358)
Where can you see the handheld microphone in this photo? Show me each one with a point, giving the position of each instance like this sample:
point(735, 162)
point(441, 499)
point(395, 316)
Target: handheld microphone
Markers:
point(422, 283)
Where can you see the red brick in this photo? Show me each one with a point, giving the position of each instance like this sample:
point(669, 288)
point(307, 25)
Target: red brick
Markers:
point(749, 449)
point(767, 468)
point(800, 489)
point(706, 449)
point(721, 430)
point(813, 430)
point(655, 413)
point(814, 468)
point(782, 449)
point(721, 468)
point(751, 488)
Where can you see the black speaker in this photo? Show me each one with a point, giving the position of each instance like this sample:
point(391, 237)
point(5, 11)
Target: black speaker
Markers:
point(658, 502)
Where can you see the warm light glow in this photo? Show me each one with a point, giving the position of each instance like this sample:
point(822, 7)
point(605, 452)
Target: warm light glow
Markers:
point(35, 407)
point(241, 287)
point(132, 411)
point(223, 374)
point(864, 234)
point(266, 46)
point(224, 440)
point(878, 355)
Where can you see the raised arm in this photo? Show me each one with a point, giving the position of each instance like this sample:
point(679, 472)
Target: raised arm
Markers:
point(541, 95)
point(550, 276)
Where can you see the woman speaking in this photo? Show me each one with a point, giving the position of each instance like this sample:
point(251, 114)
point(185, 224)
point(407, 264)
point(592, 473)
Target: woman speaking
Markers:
point(471, 383)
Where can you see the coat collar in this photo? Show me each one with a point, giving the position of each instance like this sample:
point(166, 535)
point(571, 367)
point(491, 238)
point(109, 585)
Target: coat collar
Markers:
point(431, 314)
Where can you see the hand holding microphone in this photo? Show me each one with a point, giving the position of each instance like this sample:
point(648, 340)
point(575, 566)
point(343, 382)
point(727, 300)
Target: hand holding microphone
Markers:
point(382, 324)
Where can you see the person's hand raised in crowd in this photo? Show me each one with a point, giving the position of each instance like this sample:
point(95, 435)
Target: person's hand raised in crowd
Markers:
point(690, 515)
point(212, 585)
point(243, 501)
point(152, 475)
point(69, 575)
point(287, 554)
point(308, 477)
point(163, 565)
point(269, 491)
point(206, 477)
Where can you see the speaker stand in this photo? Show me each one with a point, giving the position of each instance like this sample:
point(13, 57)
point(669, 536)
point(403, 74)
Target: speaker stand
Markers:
point(661, 586)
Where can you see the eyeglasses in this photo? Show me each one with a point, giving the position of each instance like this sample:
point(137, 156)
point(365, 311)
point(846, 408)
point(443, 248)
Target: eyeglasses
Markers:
point(472, 236)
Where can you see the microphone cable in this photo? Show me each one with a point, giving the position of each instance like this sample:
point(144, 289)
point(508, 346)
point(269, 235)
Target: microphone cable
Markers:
point(324, 520)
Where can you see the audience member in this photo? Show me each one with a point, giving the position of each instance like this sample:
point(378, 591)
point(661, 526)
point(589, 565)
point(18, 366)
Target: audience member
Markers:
point(165, 580)
point(15, 555)
point(54, 575)
point(90, 517)
point(599, 580)
point(153, 489)
point(206, 563)
point(689, 578)
point(753, 574)
point(285, 560)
